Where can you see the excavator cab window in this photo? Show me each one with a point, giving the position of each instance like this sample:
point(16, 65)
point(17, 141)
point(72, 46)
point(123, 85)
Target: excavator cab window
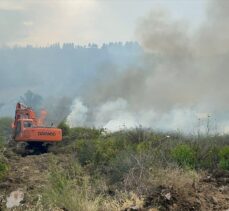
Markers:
point(27, 124)
point(18, 128)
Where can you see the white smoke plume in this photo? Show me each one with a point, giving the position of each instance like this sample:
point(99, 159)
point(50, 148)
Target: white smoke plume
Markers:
point(118, 114)
point(78, 114)
point(184, 73)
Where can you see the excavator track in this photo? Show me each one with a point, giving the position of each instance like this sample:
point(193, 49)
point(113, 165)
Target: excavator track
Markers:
point(28, 148)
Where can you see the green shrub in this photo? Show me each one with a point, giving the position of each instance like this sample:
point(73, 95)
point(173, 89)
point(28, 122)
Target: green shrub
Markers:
point(209, 158)
point(65, 128)
point(3, 169)
point(184, 155)
point(85, 133)
point(224, 158)
point(143, 147)
point(2, 141)
point(137, 135)
point(98, 151)
point(107, 150)
point(5, 127)
point(69, 188)
point(86, 150)
point(127, 161)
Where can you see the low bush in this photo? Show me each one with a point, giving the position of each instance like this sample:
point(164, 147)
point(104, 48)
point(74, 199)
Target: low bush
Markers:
point(116, 155)
point(3, 165)
point(2, 141)
point(94, 147)
point(107, 150)
point(71, 188)
point(184, 155)
point(65, 128)
point(86, 150)
point(206, 154)
point(85, 133)
point(224, 158)
point(68, 188)
point(103, 167)
point(5, 127)
point(3, 169)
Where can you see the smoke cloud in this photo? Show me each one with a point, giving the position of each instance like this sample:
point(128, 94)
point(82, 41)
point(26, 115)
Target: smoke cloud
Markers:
point(184, 74)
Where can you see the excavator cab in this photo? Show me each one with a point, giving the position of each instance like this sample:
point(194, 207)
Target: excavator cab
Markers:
point(22, 125)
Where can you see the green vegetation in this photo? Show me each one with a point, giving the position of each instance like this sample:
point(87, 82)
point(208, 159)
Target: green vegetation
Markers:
point(2, 141)
point(101, 150)
point(3, 165)
point(70, 188)
point(92, 169)
point(184, 155)
point(5, 128)
point(3, 169)
point(224, 158)
point(65, 128)
point(132, 161)
point(5, 133)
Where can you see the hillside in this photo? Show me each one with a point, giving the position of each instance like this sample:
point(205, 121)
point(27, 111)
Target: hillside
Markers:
point(128, 170)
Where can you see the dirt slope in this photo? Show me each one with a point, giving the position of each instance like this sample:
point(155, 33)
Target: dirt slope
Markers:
point(204, 195)
point(27, 174)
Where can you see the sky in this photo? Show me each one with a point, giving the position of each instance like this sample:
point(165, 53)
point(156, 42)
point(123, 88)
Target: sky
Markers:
point(44, 22)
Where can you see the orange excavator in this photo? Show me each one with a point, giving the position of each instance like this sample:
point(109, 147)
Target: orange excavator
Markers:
point(29, 129)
